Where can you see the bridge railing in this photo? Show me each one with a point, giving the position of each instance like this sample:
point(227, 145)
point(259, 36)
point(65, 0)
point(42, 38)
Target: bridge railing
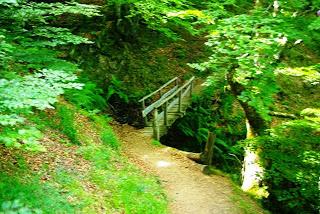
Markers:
point(146, 110)
point(168, 103)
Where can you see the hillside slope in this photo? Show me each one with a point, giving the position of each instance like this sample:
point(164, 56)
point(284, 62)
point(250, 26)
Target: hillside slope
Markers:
point(92, 177)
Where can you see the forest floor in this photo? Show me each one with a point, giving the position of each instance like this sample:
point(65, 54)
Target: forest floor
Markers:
point(189, 191)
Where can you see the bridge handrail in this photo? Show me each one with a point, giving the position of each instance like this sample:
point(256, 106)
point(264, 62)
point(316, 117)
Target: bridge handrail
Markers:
point(162, 87)
point(147, 109)
point(168, 104)
point(175, 93)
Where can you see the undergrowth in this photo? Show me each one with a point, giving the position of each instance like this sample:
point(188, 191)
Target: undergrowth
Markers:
point(28, 192)
point(96, 178)
point(66, 124)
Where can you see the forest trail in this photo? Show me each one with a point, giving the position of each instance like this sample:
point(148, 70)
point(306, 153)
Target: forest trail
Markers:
point(189, 190)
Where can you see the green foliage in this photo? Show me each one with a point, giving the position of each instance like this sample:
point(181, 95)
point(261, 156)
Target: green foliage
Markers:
point(156, 143)
point(108, 138)
point(224, 8)
point(18, 192)
point(66, 117)
point(19, 96)
point(161, 16)
point(310, 74)
point(315, 25)
point(89, 98)
point(32, 75)
point(139, 197)
point(38, 90)
point(26, 138)
point(17, 207)
point(10, 120)
point(41, 13)
point(246, 47)
point(291, 157)
point(116, 87)
point(293, 6)
point(59, 36)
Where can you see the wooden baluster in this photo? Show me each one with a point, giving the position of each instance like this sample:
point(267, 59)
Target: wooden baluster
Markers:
point(180, 101)
point(191, 88)
point(165, 114)
point(143, 108)
point(156, 130)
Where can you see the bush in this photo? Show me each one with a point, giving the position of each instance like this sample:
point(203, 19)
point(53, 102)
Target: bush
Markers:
point(89, 98)
point(292, 156)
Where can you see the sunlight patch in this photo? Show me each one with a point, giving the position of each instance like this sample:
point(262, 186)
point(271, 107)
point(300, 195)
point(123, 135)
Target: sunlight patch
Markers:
point(162, 164)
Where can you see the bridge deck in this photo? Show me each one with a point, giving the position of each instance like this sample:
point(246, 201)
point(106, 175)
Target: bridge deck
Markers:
point(167, 109)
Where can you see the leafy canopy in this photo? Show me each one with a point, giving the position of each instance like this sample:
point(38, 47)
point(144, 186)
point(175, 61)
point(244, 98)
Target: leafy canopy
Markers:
point(32, 73)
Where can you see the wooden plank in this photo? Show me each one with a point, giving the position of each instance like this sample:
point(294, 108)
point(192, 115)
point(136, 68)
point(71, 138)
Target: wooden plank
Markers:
point(151, 107)
point(162, 87)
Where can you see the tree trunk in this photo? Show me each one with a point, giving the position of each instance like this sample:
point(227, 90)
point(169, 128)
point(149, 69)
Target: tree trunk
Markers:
point(252, 171)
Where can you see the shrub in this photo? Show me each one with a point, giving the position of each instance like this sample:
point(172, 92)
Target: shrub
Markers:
point(292, 156)
point(89, 98)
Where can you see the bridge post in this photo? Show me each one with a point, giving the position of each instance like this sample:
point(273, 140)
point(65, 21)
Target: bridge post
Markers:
point(143, 107)
point(165, 113)
point(180, 101)
point(156, 131)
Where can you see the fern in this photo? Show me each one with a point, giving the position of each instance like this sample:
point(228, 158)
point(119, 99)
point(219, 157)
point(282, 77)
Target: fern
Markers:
point(116, 87)
point(90, 97)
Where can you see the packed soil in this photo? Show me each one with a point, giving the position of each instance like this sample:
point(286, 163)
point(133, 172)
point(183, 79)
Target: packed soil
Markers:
point(189, 191)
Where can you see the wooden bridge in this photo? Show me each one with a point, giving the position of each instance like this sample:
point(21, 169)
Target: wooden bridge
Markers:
point(172, 100)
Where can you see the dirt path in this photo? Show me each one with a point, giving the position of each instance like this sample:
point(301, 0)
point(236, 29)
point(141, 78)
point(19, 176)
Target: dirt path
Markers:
point(188, 189)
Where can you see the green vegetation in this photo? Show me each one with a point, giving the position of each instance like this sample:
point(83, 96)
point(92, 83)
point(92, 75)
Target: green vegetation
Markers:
point(156, 143)
point(294, 143)
point(66, 123)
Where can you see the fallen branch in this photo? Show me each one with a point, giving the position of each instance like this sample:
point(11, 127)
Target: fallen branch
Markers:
point(284, 115)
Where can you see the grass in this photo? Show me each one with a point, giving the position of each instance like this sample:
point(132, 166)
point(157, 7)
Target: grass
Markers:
point(126, 189)
point(30, 192)
point(92, 177)
point(66, 123)
point(156, 143)
point(245, 202)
